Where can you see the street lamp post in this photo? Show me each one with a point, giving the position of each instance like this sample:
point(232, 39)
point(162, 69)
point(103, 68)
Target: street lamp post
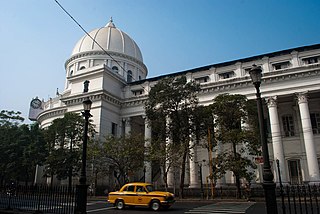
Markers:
point(268, 184)
point(81, 205)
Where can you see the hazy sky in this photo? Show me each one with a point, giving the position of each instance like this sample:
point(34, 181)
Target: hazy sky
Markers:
point(37, 37)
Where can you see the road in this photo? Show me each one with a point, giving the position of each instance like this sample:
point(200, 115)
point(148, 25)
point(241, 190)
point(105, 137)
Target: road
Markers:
point(185, 207)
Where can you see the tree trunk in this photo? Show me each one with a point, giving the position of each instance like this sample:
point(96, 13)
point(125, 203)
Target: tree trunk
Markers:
point(183, 169)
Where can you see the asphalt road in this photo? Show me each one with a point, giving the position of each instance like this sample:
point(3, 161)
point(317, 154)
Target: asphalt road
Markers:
point(179, 207)
point(188, 207)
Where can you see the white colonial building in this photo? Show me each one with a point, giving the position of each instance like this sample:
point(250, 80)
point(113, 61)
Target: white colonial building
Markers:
point(119, 86)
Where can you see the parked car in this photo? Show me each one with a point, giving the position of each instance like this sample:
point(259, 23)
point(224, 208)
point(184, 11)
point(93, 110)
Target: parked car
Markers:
point(140, 194)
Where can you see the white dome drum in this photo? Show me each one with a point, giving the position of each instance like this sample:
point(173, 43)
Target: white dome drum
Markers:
point(111, 39)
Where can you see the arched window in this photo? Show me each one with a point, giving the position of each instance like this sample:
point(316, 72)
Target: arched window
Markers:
point(115, 68)
point(71, 73)
point(129, 76)
point(82, 67)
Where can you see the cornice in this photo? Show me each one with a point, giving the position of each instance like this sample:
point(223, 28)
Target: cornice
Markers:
point(94, 53)
point(135, 101)
point(54, 112)
point(281, 75)
point(93, 96)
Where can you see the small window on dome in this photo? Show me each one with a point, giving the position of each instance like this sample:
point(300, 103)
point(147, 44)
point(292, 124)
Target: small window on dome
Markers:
point(115, 68)
point(129, 76)
point(71, 73)
point(139, 77)
point(82, 67)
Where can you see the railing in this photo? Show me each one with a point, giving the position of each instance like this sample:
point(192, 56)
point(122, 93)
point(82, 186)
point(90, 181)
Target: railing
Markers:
point(300, 199)
point(38, 199)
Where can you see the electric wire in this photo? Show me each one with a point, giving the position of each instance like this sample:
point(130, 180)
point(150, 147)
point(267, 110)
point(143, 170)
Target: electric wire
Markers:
point(276, 134)
point(86, 32)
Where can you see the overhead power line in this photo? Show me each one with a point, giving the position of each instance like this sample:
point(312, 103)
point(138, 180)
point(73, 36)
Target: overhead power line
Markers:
point(86, 32)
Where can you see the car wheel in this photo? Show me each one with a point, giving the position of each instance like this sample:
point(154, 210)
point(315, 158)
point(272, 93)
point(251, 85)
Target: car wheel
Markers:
point(155, 205)
point(120, 204)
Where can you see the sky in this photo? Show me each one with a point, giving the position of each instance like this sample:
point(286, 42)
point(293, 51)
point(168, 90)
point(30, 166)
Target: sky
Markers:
point(37, 36)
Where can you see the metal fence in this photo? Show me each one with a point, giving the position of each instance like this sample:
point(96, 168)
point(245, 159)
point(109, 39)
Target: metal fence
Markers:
point(38, 199)
point(300, 199)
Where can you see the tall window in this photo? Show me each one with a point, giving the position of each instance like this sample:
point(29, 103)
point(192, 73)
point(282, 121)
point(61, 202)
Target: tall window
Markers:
point(315, 122)
point(295, 171)
point(288, 125)
point(114, 128)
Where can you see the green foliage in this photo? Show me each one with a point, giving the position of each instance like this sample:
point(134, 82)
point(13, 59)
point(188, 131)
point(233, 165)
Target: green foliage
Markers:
point(235, 127)
point(64, 138)
point(22, 147)
point(124, 155)
point(171, 109)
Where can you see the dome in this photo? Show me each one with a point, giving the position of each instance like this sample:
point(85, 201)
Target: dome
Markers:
point(110, 39)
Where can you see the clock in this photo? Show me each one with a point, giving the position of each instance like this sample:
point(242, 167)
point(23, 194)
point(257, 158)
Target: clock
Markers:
point(35, 103)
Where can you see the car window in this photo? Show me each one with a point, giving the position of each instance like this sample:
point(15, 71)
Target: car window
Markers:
point(129, 189)
point(149, 188)
point(140, 189)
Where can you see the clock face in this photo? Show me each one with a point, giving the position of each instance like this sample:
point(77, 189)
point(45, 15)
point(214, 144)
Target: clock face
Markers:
point(35, 103)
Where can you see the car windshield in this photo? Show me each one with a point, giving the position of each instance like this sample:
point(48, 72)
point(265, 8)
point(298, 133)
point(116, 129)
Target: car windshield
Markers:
point(149, 188)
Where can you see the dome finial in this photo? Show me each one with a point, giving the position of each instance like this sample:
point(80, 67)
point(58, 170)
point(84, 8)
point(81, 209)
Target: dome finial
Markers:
point(110, 23)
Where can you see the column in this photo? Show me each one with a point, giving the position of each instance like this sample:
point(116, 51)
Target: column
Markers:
point(170, 176)
point(147, 145)
point(220, 181)
point(278, 152)
point(311, 154)
point(194, 173)
point(127, 127)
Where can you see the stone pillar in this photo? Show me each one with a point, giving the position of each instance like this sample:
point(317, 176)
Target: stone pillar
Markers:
point(170, 176)
point(194, 170)
point(311, 154)
point(278, 152)
point(147, 145)
point(127, 128)
point(220, 181)
point(295, 59)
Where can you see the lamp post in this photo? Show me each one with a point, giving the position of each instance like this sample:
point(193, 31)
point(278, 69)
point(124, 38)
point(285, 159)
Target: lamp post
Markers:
point(268, 184)
point(81, 205)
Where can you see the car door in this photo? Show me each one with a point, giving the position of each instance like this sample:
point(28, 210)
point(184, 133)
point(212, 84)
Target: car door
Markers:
point(141, 195)
point(129, 195)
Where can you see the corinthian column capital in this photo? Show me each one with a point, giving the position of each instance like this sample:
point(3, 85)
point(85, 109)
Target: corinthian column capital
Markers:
point(302, 97)
point(272, 101)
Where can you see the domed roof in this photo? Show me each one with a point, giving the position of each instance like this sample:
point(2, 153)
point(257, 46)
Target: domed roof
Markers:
point(110, 39)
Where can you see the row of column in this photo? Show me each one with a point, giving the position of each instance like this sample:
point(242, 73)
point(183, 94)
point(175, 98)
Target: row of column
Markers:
point(147, 137)
point(277, 145)
point(278, 151)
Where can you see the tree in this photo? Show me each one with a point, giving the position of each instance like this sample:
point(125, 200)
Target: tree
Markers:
point(170, 108)
point(236, 129)
point(9, 126)
point(204, 123)
point(124, 155)
point(100, 164)
point(64, 138)
point(22, 147)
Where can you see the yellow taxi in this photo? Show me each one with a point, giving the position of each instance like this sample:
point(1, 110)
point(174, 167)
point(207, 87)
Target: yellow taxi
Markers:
point(140, 194)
